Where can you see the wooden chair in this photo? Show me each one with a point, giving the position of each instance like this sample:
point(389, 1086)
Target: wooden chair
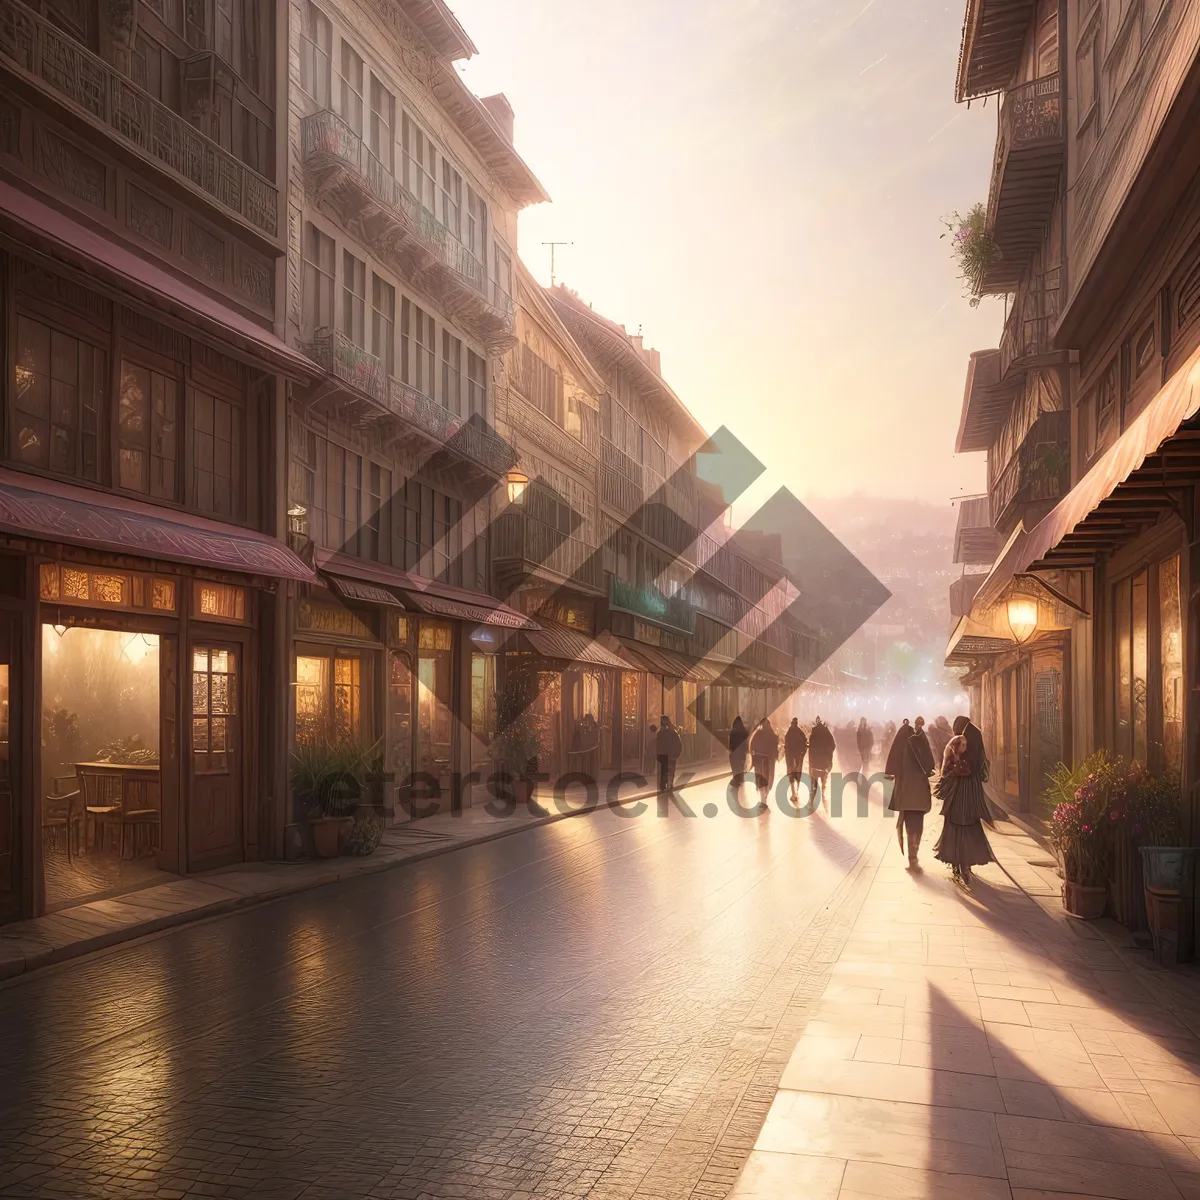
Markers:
point(102, 805)
point(139, 816)
point(63, 811)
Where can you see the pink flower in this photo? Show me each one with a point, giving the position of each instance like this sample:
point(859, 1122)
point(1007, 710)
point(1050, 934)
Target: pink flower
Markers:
point(1087, 829)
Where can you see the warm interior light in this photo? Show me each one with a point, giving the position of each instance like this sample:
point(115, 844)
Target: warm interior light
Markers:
point(517, 482)
point(1022, 616)
point(60, 629)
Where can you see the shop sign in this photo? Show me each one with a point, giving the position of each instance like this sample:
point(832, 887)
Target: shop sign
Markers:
point(320, 618)
point(485, 639)
point(650, 604)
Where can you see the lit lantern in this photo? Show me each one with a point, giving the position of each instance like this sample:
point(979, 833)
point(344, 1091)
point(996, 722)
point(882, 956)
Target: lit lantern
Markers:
point(517, 482)
point(1022, 616)
point(297, 517)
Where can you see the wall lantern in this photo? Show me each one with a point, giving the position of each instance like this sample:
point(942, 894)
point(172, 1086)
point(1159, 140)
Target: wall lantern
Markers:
point(297, 517)
point(1022, 616)
point(517, 482)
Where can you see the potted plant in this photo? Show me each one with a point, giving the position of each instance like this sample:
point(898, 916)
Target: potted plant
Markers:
point(1080, 839)
point(327, 780)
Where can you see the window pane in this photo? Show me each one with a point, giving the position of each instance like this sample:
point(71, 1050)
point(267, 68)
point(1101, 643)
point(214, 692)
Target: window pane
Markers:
point(1123, 708)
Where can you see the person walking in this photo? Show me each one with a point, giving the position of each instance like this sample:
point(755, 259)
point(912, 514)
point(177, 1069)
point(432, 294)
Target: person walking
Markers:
point(764, 753)
point(668, 746)
point(820, 754)
point(795, 747)
point(910, 764)
point(865, 737)
point(963, 844)
point(940, 734)
point(739, 750)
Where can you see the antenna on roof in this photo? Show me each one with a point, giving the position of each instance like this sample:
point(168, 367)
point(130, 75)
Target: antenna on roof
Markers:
point(554, 246)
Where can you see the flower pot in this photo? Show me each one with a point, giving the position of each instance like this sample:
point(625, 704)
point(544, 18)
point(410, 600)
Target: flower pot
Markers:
point(1166, 869)
point(1125, 883)
point(1084, 901)
point(326, 833)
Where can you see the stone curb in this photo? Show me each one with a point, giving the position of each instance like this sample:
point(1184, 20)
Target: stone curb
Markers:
point(20, 955)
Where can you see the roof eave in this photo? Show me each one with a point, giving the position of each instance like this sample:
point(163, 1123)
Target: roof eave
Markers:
point(441, 28)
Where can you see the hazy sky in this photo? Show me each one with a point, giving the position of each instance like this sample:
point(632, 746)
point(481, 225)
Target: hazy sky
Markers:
point(760, 185)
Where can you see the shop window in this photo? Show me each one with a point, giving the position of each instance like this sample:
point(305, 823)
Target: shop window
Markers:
point(214, 703)
point(77, 585)
point(328, 698)
point(146, 422)
point(1123, 669)
point(1171, 633)
point(216, 455)
point(60, 384)
point(1139, 656)
point(483, 703)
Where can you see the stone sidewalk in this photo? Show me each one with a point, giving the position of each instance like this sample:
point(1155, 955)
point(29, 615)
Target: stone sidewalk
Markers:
point(987, 1046)
point(84, 928)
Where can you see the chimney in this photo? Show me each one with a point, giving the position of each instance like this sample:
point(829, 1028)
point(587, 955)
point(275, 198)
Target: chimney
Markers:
point(501, 112)
point(654, 359)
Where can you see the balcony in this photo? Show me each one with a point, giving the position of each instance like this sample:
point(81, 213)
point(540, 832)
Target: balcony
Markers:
point(376, 208)
point(1030, 150)
point(1038, 474)
point(976, 542)
point(1028, 338)
point(360, 392)
point(534, 548)
point(71, 77)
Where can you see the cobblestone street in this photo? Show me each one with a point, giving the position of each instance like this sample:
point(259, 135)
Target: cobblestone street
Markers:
point(600, 1007)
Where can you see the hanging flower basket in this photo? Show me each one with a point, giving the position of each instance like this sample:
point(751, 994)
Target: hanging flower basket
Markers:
point(974, 249)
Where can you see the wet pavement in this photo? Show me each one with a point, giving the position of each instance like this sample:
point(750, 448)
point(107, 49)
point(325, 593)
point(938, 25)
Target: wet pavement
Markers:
point(598, 1007)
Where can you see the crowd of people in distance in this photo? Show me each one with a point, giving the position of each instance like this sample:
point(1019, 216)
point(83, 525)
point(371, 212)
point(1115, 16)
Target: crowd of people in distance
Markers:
point(943, 760)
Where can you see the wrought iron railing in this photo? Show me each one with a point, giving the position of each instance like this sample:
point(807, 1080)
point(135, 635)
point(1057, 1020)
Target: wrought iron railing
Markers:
point(76, 75)
point(326, 134)
point(340, 357)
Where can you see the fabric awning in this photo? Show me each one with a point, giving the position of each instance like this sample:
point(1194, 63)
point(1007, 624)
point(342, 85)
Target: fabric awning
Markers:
point(970, 640)
point(363, 593)
point(426, 595)
point(61, 512)
point(38, 226)
point(1176, 402)
point(553, 641)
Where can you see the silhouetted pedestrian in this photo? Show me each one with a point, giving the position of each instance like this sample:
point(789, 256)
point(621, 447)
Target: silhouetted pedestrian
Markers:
point(820, 754)
point(764, 753)
point(910, 764)
point(668, 746)
point(739, 750)
point(865, 737)
point(795, 747)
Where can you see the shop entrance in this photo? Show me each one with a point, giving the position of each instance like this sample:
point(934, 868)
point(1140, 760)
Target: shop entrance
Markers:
point(435, 701)
point(101, 785)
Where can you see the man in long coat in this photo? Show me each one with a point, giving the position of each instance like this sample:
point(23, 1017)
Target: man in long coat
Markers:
point(910, 764)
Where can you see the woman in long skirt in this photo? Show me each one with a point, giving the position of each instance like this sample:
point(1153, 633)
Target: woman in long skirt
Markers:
point(963, 843)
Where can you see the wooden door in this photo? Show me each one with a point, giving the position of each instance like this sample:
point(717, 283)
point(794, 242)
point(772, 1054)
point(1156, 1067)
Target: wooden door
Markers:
point(217, 754)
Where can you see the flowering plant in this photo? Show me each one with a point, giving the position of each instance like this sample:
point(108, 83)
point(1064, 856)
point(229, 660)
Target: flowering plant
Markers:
point(1151, 813)
point(973, 247)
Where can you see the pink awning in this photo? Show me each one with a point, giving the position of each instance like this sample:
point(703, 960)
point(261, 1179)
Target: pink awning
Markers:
point(50, 511)
point(428, 595)
point(43, 227)
point(1176, 402)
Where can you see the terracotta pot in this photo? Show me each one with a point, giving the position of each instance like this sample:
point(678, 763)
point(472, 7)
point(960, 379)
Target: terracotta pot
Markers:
point(325, 835)
point(1080, 900)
